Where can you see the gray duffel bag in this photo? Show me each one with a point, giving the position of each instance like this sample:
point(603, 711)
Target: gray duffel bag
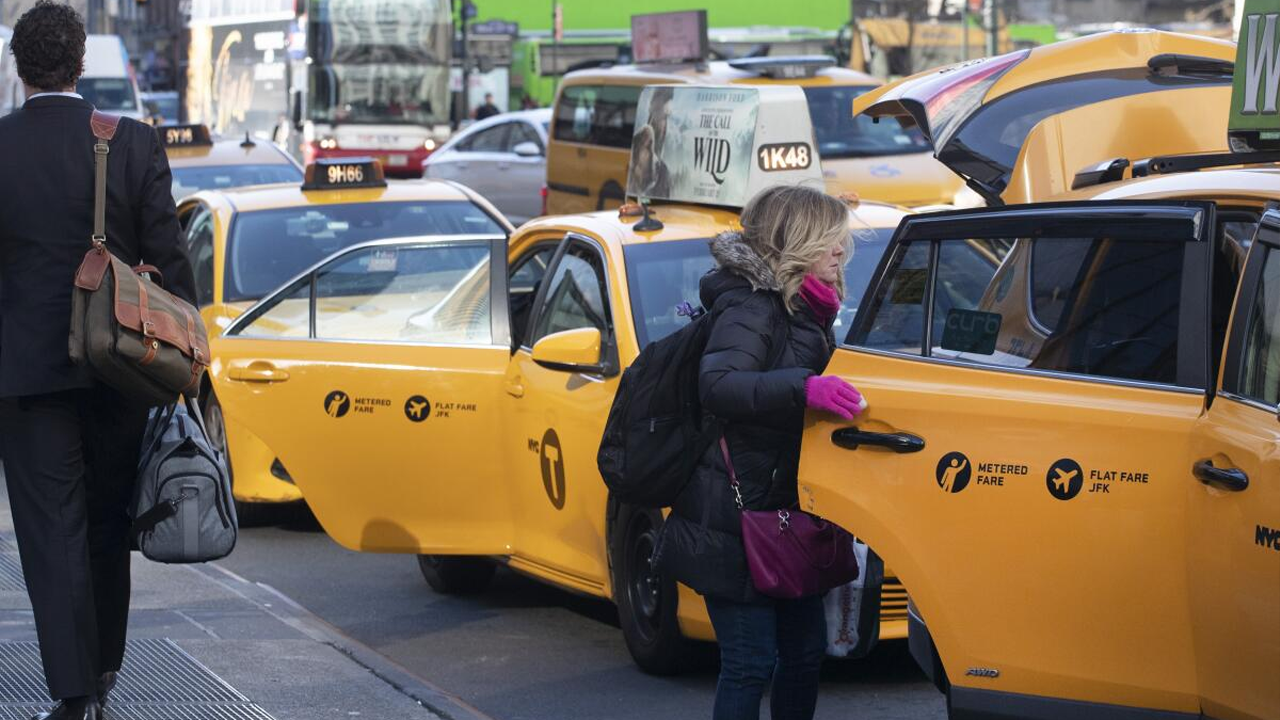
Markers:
point(182, 508)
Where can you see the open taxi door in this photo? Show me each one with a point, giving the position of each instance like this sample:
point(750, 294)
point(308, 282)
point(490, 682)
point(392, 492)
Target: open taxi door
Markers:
point(1233, 512)
point(979, 114)
point(1031, 375)
point(375, 378)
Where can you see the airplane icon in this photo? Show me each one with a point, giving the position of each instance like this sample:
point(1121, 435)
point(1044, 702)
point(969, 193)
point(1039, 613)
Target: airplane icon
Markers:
point(417, 408)
point(1063, 479)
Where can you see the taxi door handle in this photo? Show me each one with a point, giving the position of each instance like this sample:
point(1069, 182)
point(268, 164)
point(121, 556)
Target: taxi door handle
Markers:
point(258, 371)
point(1233, 479)
point(515, 388)
point(852, 438)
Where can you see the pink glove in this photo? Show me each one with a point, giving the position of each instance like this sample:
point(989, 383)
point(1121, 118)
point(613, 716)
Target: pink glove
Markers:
point(834, 395)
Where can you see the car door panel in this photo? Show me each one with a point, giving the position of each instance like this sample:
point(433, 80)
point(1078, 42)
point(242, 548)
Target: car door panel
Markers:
point(384, 408)
point(559, 500)
point(1018, 491)
point(1233, 539)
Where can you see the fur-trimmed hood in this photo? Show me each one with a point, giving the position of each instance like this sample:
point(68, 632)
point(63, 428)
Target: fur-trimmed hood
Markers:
point(732, 253)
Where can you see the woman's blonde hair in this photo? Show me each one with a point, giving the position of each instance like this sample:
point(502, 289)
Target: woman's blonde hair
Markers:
point(790, 227)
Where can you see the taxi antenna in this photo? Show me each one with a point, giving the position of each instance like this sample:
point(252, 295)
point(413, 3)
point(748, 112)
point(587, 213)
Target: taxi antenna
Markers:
point(248, 141)
point(648, 223)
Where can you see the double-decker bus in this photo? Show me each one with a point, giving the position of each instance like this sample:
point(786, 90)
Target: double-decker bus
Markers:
point(327, 78)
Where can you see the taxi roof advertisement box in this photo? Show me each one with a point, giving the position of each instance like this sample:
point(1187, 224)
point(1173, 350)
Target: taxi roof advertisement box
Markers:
point(720, 145)
point(671, 37)
point(1255, 119)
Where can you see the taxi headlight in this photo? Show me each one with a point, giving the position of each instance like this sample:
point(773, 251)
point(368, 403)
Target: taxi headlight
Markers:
point(429, 145)
point(328, 143)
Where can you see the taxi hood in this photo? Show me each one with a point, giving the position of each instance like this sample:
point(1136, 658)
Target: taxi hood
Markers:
point(978, 114)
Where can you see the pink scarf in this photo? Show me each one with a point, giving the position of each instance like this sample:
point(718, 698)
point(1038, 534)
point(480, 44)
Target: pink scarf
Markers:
point(823, 299)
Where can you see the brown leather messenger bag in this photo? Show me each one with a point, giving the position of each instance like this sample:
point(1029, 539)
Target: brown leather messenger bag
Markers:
point(134, 335)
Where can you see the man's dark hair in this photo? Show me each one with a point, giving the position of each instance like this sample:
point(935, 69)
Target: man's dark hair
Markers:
point(48, 45)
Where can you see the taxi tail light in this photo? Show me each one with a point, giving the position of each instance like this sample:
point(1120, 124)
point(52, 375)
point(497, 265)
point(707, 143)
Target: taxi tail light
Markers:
point(543, 193)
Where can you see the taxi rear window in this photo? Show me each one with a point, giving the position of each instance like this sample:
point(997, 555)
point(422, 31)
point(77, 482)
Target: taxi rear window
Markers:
point(663, 275)
point(597, 114)
point(266, 248)
point(841, 135)
point(193, 179)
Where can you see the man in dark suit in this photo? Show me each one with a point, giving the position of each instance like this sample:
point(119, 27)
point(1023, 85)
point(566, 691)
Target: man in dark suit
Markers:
point(70, 443)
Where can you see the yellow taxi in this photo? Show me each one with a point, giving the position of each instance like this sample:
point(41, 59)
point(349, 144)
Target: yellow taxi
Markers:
point(595, 110)
point(199, 162)
point(1021, 126)
point(1071, 453)
point(246, 242)
point(445, 397)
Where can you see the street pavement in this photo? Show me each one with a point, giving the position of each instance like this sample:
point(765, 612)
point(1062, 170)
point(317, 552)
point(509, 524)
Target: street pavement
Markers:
point(205, 644)
point(525, 650)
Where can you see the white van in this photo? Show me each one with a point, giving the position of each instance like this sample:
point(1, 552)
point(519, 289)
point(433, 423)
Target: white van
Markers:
point(108, 80)
point(11, 94)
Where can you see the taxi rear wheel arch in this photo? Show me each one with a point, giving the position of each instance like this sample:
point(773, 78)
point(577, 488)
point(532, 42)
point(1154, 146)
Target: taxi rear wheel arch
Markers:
point(461, 575)
point(646, 600)
point(247, 514)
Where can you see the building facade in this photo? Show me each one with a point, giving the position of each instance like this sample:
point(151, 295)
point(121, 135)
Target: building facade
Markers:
point(151, 31)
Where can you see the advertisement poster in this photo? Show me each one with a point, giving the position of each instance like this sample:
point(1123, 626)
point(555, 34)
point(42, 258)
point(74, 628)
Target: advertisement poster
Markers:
point(669, 37)
point(693, 144)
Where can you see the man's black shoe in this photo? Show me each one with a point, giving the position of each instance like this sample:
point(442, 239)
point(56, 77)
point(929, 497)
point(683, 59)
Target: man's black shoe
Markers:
point(105, 685)
point(79, 708)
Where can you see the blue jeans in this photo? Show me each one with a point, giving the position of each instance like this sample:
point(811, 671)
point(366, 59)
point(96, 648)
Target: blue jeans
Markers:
point(783, 641)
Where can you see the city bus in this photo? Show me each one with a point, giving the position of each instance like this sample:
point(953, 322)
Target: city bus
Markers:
point(326, 78)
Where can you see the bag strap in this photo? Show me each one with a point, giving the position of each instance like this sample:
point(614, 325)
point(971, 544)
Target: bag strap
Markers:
point(104, 128)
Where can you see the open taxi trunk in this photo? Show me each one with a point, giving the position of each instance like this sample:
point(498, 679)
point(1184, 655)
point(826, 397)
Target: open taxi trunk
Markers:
point(979, 115)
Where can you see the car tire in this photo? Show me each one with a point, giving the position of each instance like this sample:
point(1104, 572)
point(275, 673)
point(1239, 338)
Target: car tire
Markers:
point(247, 514)
point(449, 575)
point(647, 600)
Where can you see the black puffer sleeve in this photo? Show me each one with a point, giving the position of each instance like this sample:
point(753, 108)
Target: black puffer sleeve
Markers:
point(732, 380)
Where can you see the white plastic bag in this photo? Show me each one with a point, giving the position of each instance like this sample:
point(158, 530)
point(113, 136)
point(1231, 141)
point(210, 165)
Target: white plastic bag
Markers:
point(843, 606)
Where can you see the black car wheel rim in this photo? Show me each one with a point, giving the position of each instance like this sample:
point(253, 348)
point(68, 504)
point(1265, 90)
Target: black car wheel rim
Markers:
point(644, 586)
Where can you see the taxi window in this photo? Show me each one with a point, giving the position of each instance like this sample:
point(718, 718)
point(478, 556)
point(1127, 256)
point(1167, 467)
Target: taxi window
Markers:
point(841, 135)
point(187, 180)
point(1259, 373)
point(1091, 306)
point(200, 250)
point(430, 294)
point(599, 115)
point(663, 275)
point(267, 247)
point(575, 297)
point(434, 293)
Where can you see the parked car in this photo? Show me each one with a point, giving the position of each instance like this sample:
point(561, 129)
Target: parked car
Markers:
point(504, 158)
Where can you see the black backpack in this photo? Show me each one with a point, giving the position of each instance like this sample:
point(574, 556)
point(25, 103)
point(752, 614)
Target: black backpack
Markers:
point(656, 431)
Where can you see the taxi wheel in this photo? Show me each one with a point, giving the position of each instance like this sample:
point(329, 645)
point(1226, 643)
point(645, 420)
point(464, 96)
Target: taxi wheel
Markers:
point(456, 575)
point(646, 599)
point(247, 514)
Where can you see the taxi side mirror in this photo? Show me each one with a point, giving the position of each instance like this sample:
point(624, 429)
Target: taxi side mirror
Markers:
point(571, 351)
point(528, 148)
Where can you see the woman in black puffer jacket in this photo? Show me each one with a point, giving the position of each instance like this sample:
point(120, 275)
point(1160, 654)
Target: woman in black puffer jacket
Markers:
point(776, 291)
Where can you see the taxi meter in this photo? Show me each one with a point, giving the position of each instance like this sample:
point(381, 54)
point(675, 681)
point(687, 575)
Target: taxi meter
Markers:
point(720, 145)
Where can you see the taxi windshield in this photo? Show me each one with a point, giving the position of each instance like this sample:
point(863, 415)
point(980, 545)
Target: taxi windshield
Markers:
point(663, 275)
point(266, 248)
point(840, 135)
point(188, 180)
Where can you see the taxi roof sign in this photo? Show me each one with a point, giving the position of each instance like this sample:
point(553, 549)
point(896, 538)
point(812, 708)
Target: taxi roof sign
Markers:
point(1255, 117)
point(721, 144)
point(344, 174)
point(184, 135)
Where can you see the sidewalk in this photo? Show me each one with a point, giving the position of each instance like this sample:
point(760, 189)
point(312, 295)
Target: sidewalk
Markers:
point(205, 644)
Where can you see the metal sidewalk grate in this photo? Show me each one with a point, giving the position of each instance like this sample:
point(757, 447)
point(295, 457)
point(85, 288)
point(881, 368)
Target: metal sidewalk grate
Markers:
point(200, 711)
point(11, 572)
point(159, 681)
